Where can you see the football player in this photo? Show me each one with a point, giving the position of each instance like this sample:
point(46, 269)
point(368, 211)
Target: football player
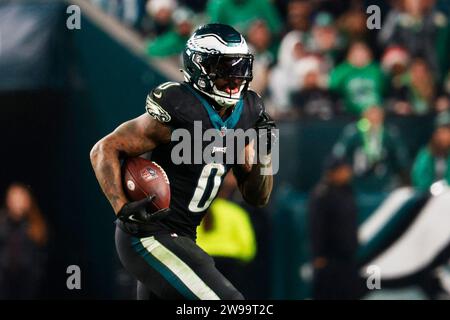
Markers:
point(159, 248)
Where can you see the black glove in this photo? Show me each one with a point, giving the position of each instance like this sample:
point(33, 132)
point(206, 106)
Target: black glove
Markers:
point(268, 135)
point(140, 211)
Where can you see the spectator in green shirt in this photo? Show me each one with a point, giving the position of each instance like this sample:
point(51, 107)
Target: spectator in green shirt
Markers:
point(433, 161)
point(378, 156)
point(173, 42)
point(241, 13)
point(358, 81)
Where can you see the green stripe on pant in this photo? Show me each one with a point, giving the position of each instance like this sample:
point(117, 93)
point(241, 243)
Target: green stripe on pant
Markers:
point(173, 269)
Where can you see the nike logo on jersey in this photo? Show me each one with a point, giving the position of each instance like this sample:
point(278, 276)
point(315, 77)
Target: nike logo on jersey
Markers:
point(132, 218)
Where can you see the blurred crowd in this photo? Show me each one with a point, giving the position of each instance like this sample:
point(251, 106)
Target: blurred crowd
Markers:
point(23, 243)
point(317, 59)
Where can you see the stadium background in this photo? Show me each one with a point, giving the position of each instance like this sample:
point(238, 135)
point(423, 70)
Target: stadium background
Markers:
point(61, 90)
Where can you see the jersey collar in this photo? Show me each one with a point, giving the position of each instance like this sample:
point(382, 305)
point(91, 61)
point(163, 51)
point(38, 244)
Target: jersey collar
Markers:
point(216, 120)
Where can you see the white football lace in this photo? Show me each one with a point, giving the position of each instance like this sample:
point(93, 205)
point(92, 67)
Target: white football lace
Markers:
point(163, 172)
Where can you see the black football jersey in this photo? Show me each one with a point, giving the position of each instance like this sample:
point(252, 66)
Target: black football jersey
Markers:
point(194, 183)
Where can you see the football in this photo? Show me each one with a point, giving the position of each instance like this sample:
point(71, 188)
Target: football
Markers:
point(142, 178)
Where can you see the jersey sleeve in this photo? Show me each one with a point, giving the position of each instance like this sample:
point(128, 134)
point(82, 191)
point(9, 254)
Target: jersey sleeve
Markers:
point(161, 103)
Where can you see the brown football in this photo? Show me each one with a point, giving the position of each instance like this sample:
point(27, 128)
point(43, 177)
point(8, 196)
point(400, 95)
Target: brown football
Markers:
point(142, 178)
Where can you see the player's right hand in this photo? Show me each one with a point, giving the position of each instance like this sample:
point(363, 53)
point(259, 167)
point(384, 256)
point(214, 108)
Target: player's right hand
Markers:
point(140, 212)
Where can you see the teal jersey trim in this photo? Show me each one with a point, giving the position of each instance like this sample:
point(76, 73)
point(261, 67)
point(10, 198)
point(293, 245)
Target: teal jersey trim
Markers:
point(163, 270)
point(216, 120)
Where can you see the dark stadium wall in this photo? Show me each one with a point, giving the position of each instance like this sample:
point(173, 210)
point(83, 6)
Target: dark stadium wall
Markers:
point(48, 129)
point(33, 102)
point(111, 87)
point(30, 123)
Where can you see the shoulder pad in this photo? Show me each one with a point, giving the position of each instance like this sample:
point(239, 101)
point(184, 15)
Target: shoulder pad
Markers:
point(160, 102)
point(156, 111)
point(256, 103)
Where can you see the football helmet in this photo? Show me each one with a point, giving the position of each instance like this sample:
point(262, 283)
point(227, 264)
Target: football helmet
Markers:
point(218, 63)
